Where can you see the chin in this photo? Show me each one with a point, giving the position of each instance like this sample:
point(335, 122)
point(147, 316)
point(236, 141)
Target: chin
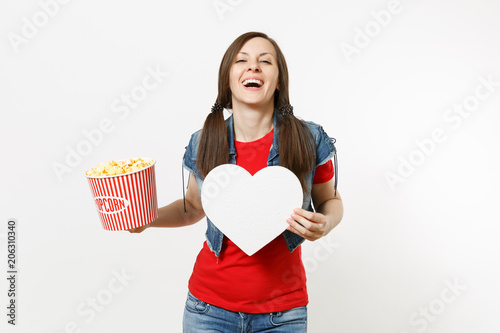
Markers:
point(255, 101)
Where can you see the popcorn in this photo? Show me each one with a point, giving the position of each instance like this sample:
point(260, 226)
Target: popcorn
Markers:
point(114, 168)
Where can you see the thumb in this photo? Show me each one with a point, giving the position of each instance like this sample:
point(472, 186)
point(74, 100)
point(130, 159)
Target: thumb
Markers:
point(137, 230)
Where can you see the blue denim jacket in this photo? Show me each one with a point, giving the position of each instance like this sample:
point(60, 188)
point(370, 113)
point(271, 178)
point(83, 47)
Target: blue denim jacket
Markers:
point(325, 150)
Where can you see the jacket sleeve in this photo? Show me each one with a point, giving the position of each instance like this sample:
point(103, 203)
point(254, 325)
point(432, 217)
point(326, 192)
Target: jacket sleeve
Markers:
point(188, 161)
point(325, 148)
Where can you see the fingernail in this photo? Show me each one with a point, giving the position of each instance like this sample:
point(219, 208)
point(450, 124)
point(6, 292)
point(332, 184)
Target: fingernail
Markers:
point(296, 210)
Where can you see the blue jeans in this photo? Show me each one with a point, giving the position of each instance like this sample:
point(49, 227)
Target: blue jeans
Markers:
point(201, 317)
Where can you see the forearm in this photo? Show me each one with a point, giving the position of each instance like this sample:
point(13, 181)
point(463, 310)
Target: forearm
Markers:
point(173, 216)
point(333, 209)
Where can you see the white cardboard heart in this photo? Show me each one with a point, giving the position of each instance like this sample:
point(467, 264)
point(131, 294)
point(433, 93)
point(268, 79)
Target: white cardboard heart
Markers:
point(250, 210)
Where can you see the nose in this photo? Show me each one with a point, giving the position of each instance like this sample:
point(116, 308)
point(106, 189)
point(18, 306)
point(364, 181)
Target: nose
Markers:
point(253, 66)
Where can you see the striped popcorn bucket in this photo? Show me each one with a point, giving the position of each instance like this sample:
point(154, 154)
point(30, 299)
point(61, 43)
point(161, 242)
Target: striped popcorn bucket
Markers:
point(126, 201)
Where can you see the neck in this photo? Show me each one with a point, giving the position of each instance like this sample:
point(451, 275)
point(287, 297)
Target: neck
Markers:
point(252, 123)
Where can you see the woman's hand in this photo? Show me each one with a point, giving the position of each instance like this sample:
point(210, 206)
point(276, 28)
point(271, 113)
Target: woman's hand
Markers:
point(138, 229)
point(329, 211)
point(311, 226)
point(173, 215)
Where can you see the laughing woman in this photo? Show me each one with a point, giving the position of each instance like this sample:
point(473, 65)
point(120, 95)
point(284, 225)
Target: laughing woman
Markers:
point(266, 292)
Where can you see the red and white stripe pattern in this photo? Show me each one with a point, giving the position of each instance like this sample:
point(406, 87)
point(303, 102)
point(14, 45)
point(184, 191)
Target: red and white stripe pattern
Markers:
point(126, 201)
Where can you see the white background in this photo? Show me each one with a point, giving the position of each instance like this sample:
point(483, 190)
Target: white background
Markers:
point(397, 250)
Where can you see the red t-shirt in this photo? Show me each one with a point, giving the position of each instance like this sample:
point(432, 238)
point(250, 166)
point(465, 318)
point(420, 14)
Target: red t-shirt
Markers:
point(271, 280)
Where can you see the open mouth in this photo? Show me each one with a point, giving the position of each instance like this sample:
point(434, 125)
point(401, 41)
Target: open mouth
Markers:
point(253, 83)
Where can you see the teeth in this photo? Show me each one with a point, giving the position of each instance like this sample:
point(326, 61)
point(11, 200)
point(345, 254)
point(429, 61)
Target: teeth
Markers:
point(259, 82)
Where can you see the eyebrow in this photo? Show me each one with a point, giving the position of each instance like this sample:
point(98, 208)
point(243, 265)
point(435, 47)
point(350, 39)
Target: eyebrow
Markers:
point(260, 55)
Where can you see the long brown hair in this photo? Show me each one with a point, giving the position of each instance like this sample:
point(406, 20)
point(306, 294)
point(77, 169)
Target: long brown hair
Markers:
point(296, 144)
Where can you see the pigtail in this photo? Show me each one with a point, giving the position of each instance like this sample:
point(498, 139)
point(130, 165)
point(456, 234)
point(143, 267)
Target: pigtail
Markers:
point(213, 149)
point(296, 145)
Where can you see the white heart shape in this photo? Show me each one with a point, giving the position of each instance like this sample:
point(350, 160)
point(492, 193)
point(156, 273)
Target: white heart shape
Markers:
point(250, 211)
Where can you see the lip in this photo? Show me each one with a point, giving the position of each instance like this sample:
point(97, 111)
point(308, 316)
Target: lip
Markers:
point(256, 78)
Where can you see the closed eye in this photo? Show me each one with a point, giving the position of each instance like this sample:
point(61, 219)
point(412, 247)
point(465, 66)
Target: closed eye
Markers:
point(265, 61)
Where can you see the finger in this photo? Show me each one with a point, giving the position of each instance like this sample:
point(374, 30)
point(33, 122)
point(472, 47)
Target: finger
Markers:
point(137, 230)
point(316, 226)
point(297, 228)
point(311, 216)
point(295, 231)
point(302, 221)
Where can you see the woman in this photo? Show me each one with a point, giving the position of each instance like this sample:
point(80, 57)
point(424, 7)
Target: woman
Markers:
point(228, 290)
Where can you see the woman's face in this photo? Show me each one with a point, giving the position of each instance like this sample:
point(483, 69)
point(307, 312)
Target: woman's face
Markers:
point(253, 77)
